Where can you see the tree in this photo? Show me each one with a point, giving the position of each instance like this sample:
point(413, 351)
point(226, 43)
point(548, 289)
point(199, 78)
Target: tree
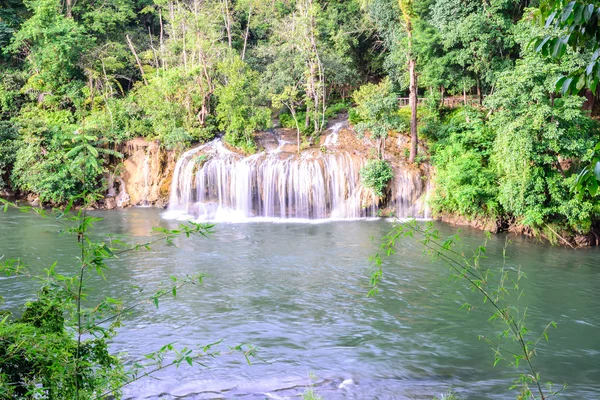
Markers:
point(388, 16)
point(574, 25)
point(409, 17)
point(238, 110)
point(52, 44)
point(289, 98)
point(540, 143)
point(376, 112)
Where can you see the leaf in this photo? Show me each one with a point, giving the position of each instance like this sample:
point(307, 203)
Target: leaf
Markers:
point(580, 82)
point(578, 14)
point(566, 85)
point(559, 83)
point(588, 12)
point(550, 18)
point(593, 185)
point(566, 12)
point(597, 171)
point(539, 47)
point(558, 48)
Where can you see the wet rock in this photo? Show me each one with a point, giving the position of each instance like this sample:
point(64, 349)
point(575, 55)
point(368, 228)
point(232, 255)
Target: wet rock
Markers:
point(33, 199)
point(110, 203)
point(146, 174)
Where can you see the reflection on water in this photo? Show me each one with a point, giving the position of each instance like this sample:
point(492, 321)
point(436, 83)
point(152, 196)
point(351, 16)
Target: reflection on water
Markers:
point(298, 291)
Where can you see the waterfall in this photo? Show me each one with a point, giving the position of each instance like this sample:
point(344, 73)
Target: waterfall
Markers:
point(212, 183)
point(332, 138)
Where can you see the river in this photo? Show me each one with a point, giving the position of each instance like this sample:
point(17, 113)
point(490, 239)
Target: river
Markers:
point(298, 292)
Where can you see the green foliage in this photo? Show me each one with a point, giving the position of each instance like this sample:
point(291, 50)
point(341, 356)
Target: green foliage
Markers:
point(376, 109)
point(38, 354)
point(335, 109)
point(466, 181)
point(238, 111)
point(540, 141)
point(9, 145)
point(287, 121)
point(56, 158)
point(572, 24)
point(375, 175)
point(54, 43)
point(521, 162)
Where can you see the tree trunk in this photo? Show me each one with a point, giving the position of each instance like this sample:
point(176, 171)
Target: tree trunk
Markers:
point(406, 6)
point(443, 92)
point(247, 32)
point(69, 10)
point(137, 59)
point(414, 139)
point(227, 19)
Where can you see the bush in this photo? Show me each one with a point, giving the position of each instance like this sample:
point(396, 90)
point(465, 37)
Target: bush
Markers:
point(376, 174)
point(9, 145)
point(178, 139)
point(240, 112)
point(287, 121)
point(335, 109)
point(466, 182)
point(376, 110)
point(59, 348)
point(37, 353)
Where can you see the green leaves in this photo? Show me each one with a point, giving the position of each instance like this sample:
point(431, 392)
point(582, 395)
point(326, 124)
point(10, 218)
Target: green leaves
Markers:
point(376, 175)
point(574, 25)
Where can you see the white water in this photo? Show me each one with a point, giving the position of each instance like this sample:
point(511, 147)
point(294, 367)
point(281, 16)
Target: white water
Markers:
point(332, 138)
point(211, 183)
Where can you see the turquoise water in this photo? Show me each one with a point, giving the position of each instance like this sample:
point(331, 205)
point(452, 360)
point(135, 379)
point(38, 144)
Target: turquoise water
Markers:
point(298, 292)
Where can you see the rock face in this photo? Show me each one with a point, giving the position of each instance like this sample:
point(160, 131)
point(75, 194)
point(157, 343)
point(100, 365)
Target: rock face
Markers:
point(144, 177)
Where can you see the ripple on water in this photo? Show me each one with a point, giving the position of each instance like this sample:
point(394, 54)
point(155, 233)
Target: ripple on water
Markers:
point(298, 292)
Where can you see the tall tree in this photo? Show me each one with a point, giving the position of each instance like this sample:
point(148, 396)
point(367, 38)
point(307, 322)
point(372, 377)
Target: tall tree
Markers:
point(408, 17)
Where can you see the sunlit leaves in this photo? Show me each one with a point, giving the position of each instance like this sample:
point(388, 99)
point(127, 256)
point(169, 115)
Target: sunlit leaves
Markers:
point(574, 25)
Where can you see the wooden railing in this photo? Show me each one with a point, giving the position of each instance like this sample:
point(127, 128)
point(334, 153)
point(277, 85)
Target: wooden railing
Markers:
point(450, 102)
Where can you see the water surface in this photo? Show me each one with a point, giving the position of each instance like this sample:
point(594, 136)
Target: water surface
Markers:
point(298, 292)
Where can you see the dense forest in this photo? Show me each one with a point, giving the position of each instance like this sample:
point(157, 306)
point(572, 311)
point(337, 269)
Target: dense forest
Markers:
point(483, 108)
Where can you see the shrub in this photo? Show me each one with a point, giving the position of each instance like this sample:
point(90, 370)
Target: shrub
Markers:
point(466, 182)
point(335, 109)
point(8, 148)
point(376, 174)
point(376, 109)
point(240, 112)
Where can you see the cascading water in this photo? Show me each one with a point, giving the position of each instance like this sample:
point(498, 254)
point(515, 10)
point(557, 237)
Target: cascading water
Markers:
point(332, 138)
point(212, 183)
